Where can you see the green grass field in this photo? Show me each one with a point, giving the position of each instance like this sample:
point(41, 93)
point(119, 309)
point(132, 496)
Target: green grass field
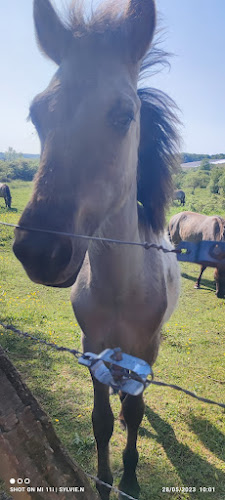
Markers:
point(181, 441)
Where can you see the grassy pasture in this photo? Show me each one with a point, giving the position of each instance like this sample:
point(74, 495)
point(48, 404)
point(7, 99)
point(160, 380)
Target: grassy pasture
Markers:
point(181, 441)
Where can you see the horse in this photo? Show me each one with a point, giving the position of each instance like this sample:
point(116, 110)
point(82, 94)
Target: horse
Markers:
point(191, 226)
point(107, 153)
point(5, 193)
point(180, 196)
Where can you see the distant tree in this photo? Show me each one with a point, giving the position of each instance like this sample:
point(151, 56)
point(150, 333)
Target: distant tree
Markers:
point(197, 179)
point(205, 165)
point(222, 184)
point(216, 173)
point(179, 179)
point(188, 157)
point(23, 169)
point(11, 154)
point(218, 156)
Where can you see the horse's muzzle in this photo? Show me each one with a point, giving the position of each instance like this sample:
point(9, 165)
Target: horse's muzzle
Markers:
point(44, 256)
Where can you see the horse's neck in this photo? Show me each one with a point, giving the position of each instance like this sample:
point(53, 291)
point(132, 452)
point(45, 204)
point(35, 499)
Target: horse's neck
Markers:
point(125, 290)
point(115, 269)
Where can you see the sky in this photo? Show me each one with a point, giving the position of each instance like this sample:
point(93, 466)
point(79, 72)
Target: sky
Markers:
point(193, 31)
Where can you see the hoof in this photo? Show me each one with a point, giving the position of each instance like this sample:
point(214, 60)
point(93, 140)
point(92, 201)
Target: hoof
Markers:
point(132, 488)
point(197, 286)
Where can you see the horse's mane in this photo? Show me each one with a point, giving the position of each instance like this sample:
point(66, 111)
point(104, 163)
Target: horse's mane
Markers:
point(104, 19)
point(158, 155)
point(158, 150)
point(159, 142)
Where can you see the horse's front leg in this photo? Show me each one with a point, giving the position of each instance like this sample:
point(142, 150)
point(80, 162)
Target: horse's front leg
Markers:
point(103, 420)
point(133, 411)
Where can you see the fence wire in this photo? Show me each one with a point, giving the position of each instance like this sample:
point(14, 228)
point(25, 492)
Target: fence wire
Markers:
point(112, 488)
point(77, 354)
point(143, 244)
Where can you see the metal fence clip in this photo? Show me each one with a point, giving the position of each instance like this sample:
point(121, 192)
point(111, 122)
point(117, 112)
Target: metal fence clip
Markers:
point(120, 371)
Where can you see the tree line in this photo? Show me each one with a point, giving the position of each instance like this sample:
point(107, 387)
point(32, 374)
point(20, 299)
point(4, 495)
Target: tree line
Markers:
point(15, 166)
point(206, 175)
point(21, 168)
point(189, 157)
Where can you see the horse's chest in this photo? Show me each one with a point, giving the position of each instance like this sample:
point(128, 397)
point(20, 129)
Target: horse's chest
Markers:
point(115, 321)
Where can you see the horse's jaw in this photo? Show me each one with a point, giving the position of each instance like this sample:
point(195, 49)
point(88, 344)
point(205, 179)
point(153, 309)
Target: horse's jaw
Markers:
point(69, 281)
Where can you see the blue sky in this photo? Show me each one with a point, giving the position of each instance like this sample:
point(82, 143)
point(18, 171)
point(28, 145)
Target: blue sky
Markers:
point(194, 33)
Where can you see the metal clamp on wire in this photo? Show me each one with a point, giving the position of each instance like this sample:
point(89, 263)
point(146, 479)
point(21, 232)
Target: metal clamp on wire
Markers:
point(120, 371)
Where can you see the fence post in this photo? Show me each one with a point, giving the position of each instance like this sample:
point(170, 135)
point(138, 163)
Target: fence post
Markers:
point(29, 447)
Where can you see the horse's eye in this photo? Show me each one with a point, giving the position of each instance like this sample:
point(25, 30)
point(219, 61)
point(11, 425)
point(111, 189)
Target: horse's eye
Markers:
point(122, 121)
point(125, 120)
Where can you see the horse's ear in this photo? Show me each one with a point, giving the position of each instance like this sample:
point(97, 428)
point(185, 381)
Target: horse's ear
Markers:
point(140, 26)
point(52, 35)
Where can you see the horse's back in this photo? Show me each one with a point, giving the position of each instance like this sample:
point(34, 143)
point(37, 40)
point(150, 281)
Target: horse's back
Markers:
point(178, 194)
point(191, 226)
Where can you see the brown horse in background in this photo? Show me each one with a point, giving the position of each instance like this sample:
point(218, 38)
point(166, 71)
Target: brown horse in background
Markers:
point(104, 147)
point(191, 226)
point(5, 193)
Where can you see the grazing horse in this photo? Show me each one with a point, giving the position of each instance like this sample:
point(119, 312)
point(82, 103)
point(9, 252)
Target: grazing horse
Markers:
point(191, 226)
point(104, 148)
point(5, 193)
point(180, 196)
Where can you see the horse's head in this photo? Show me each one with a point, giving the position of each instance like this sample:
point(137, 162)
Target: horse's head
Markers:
point(88, 123)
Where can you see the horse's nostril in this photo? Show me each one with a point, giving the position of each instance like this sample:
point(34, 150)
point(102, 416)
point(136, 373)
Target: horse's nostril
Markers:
point(44, 257)
point(21, 249)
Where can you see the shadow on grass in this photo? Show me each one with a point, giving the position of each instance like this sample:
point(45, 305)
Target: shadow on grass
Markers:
point(12, 209)
point(4, 210)
point(209, 435)
point(191, 468)
point(206, 284)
